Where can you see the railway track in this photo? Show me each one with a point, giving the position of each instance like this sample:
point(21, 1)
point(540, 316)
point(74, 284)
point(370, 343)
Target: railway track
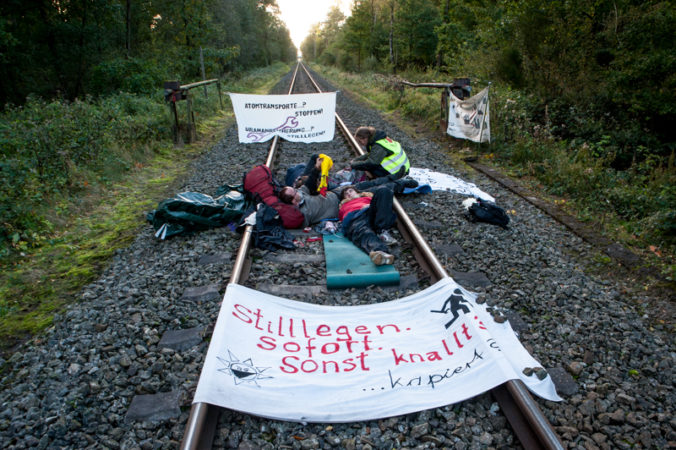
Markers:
point(531, 427)
point(118, 369)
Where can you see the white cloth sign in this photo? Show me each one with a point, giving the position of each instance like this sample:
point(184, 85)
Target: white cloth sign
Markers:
point(443, 182)
point(470, 119)
point(297, 118)
point(296, 361)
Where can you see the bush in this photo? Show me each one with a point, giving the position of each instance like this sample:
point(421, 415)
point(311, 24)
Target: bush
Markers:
point(52, 149)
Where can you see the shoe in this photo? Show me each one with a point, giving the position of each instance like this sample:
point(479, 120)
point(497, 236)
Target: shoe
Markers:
point(409, 183)
point(387, 238)
point(381, 258)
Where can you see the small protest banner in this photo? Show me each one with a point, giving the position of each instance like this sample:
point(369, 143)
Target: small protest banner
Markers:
point(297, 118)
point(296, 361)
point(470, 119)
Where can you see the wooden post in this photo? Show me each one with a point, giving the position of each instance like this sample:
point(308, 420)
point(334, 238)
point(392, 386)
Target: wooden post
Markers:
point(177, 129)
point(443, 122)
point(483, 119)
point(192, 134)
point(172, 94)
point(220, 97)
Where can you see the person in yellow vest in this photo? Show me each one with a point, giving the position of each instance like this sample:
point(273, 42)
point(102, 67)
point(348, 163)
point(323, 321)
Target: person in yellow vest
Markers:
point(385, 157)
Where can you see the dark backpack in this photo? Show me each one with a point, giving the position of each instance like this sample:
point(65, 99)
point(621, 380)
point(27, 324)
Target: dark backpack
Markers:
point(269, 233)
point(261, 186)
point(485, 211)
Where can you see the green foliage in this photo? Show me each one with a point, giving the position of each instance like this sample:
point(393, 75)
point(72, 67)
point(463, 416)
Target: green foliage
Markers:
point(97, 47)
point(135, 75)
point(58, 237)
point(590, 72)
point(52, 149)
point(415, 30)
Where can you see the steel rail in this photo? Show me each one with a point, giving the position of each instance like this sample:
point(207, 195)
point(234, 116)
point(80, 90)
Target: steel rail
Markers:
point(201, 427)
point(529, 423)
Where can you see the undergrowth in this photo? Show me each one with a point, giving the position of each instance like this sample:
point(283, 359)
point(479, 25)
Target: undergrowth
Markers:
point(64, 215)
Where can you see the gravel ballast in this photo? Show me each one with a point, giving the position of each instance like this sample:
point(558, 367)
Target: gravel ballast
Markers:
point(135, 338)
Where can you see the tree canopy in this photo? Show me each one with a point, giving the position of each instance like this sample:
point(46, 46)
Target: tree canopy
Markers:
point(72, 48)
point(609, 61)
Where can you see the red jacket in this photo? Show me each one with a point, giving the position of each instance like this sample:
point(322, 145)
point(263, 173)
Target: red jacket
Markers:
point(353, 205)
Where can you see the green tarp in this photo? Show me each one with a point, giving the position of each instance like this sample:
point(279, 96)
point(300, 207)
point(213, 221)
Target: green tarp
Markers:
point(348, 266)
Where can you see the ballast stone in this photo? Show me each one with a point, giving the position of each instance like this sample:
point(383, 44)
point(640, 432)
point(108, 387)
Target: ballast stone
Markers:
point(202, 293)
point(180, 340)
point(472, 279)
point(563, 381)
point(216, 258)
point(154, 407)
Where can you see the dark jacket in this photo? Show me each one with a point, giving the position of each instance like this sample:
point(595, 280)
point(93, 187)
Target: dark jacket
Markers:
point(376, 153)
point(315, 207)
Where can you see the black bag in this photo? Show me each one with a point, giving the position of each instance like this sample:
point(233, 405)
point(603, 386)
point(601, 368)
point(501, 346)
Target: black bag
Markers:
point(485, 211)
point(269, 232)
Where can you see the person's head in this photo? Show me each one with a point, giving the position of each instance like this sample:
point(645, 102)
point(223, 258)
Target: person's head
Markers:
point(349, 192)
point(290, 195)
point(364, 135)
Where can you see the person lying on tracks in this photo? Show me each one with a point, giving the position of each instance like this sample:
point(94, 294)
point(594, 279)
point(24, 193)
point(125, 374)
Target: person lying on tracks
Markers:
point(366, 217)
point(385, 157)
point(315, 207)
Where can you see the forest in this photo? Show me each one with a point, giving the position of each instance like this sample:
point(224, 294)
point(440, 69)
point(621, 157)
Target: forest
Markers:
point(73, 49)
point(583, 98)
point(602, 68)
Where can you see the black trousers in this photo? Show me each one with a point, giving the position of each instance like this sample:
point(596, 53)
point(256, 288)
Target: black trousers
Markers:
point(363, 230)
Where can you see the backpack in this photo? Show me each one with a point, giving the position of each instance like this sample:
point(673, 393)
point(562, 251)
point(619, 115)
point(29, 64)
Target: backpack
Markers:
point(485, 211)
point(269, 233)
point(261, 186)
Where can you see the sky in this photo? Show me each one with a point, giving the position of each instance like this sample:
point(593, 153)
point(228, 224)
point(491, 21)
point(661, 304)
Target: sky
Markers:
point(300, 15)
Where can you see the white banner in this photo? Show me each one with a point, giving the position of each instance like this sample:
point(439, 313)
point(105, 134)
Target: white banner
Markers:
point(297, 118)
point(470, 119)
point(296, 361)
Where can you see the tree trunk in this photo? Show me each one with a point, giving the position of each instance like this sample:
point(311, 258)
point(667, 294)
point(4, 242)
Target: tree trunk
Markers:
point(391, 38)
point(128, 25)
point(81, 66)
point(445, 18)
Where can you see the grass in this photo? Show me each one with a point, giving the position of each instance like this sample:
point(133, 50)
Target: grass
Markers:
point(38, 282)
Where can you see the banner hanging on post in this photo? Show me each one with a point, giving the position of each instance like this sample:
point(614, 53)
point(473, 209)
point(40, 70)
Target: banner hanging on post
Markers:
point(297, 118)
point(470, 119)
point(296, 361)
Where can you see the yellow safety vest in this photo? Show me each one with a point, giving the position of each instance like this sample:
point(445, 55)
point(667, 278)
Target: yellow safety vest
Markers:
point(397, 159)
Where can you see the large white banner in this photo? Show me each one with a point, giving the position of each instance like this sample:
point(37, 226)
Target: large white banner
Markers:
point(297, 118)
point(296, 361)
point(470, 119)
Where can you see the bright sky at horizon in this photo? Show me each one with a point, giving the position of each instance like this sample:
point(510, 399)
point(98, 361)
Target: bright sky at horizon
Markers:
point(300, 15)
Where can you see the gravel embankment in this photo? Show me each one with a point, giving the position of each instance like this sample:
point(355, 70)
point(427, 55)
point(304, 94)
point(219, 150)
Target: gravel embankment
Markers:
point(72, 387)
